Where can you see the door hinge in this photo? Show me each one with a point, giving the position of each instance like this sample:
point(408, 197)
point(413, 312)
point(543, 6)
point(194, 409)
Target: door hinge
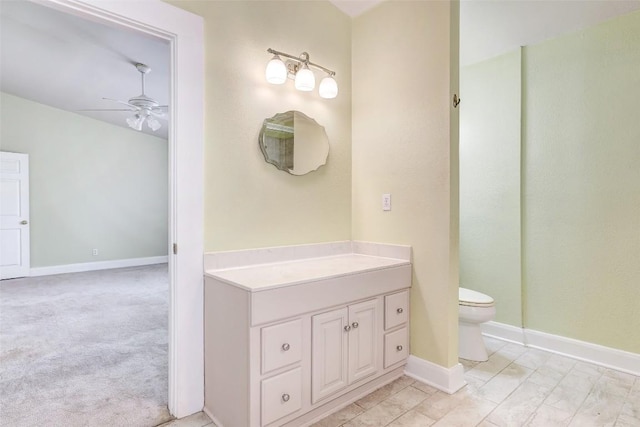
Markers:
point(175, 248)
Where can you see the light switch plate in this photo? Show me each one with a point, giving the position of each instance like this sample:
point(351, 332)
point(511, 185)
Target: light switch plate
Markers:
point(386, 202)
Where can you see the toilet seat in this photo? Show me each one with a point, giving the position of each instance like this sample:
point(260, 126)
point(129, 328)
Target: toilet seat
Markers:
point(470, 298)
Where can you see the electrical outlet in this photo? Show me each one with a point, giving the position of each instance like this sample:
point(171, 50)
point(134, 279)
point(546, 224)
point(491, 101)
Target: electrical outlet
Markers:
point(386, 202)
point(95, 252)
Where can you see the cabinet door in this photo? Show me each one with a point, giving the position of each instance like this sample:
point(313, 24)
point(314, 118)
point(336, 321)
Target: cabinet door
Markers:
point(329, 353)
point(363, 340)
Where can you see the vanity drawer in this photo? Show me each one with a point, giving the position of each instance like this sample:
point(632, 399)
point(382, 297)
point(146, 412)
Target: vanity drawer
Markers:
point(281, 395)
point(396, 309)
point(281, 345)
point(396, 347)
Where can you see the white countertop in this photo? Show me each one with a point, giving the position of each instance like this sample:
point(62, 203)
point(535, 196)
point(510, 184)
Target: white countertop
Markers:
point(261, 277)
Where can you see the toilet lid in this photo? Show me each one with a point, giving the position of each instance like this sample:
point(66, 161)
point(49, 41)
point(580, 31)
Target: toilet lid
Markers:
point(474, 298)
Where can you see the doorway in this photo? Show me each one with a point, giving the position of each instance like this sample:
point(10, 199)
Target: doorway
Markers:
point(184, 31)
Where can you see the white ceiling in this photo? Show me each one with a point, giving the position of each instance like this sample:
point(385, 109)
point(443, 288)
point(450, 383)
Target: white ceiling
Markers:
point(354, 8)
point(492, 27)
point(70, 63)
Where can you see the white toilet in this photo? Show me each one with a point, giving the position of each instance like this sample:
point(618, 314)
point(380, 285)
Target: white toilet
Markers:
point(474, 308)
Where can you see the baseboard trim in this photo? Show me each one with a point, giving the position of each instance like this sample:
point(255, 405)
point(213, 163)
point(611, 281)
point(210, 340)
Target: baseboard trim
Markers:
point(448, 380)
point(608, 357)
point(100, 265)
point(503, 332)
point(213, 418)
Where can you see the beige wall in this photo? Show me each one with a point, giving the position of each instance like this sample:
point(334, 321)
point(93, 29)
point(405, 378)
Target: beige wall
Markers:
point(92, 185)
point(249, 203)
point(490, 125)
point(582, 185)
point(405, 143)
point(406, 140)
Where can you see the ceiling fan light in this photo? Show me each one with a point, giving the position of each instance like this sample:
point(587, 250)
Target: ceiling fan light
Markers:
point(135, 122)
point(153, 124)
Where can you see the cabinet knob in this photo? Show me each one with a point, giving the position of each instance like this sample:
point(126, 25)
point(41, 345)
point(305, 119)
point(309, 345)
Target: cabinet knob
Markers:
point(286, 346)
point(285, 397)
point(24, 222)
point(355, 325)
point(399, 348)
point(347, 328)
point(400, 310)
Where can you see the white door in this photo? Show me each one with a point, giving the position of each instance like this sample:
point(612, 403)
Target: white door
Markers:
point(363, 340)
point(329, 353)
point(14, 215)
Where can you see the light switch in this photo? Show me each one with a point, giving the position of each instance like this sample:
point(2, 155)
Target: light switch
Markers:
point(386, 202)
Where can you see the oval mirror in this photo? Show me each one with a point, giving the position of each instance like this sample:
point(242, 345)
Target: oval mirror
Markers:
point(294, 143)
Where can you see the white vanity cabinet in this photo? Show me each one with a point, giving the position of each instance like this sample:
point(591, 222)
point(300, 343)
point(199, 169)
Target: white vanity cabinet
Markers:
point(287, 343)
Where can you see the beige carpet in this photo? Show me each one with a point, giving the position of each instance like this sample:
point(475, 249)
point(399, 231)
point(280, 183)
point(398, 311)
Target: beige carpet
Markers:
point(85, 349)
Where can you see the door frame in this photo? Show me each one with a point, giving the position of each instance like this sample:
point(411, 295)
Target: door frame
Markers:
point(185, 33)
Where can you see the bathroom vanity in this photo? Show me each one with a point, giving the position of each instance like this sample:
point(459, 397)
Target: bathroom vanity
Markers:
point(289, 342)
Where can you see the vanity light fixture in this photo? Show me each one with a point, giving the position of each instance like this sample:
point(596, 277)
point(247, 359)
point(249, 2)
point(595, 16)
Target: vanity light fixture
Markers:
point(297, 68)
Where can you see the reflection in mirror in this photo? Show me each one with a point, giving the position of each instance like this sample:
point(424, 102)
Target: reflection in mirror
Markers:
point(294, 143)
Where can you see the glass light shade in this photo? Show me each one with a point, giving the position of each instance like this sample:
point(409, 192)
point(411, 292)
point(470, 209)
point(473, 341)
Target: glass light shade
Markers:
point(328, 88)
point(153, 123)
point(305, 80)
point(276, 72)
point(135, 122)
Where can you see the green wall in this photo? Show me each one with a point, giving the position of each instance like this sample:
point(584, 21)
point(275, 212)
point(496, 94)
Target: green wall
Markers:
point(490, 260)
point(580, 185)
point(581, 175)
point(92, 185)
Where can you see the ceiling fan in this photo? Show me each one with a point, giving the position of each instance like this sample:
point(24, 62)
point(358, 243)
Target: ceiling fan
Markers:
point(145, 108)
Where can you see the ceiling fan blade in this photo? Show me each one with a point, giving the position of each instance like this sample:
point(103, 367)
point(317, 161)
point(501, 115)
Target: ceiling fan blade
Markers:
point(105, 109)
point(133, 107)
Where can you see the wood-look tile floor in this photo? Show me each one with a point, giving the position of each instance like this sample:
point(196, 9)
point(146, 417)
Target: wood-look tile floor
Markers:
point(517, 386)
